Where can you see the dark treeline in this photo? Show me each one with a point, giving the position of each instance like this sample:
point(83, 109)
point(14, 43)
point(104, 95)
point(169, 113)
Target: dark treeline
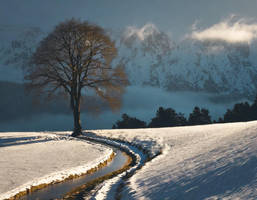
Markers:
point(168, 117)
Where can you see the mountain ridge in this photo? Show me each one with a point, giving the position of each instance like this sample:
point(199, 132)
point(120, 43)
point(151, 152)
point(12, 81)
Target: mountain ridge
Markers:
point(152, 58)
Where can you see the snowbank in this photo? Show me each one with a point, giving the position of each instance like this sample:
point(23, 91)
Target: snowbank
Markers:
point(107, 190)
point(197, 162)
point(31, 159)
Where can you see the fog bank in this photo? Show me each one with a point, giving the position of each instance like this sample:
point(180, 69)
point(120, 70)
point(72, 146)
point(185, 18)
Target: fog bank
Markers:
point(140, 102)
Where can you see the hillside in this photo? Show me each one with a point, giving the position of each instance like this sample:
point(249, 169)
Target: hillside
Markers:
point(199, 162)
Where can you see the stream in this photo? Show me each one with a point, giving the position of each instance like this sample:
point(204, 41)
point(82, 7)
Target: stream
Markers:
point(58, 190)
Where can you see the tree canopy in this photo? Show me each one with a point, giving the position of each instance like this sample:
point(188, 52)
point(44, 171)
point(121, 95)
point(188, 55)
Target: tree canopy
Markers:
point(199, 116)
point(74, 56)
point(167, 118)
point(129, 122)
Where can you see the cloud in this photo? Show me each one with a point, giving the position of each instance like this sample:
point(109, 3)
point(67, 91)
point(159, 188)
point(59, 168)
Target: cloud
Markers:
point(229, 30)
point(141, 33)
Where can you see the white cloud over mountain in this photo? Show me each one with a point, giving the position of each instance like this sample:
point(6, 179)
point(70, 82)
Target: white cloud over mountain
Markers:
point(229, 30)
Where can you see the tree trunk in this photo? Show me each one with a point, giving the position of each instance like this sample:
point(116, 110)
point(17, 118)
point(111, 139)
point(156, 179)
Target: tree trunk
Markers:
point(76, 115)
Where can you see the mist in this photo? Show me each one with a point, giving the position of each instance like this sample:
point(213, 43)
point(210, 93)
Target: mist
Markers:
point(140, 102)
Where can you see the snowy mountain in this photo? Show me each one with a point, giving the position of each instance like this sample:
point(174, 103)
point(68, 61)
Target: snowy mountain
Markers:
point(152, 58)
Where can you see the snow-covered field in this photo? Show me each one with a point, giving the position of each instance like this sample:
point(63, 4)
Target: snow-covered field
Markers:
point(30, 159)
point(198, 162)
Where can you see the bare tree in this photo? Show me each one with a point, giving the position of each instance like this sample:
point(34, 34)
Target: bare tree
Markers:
point(74, 57)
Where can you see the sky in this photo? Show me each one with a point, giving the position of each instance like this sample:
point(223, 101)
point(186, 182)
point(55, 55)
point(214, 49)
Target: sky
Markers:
point(232, 21)
point(174, 16)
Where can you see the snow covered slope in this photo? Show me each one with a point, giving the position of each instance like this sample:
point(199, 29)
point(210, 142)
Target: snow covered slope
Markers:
point(31, 159)
point(153, 58)
point(198, 162)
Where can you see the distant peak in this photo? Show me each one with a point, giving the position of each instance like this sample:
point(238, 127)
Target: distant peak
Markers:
point(141, 33)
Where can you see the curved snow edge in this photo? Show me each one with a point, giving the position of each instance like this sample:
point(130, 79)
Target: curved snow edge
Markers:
point(58, 177)
point(112, 190)
point(109, 187)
